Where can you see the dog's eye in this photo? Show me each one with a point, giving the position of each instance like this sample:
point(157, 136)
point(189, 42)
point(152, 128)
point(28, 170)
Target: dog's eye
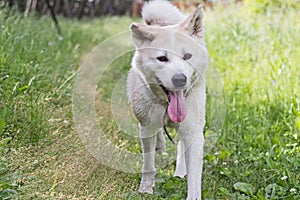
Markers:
point(162, 58)
point(187, 56)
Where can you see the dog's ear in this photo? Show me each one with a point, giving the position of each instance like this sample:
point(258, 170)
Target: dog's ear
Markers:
point(194, 23)
point(140, 34)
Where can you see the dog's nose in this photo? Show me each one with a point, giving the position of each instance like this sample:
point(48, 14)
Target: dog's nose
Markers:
point(179, 80)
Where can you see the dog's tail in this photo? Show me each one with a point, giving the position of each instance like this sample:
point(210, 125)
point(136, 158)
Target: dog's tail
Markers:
point(161, 12)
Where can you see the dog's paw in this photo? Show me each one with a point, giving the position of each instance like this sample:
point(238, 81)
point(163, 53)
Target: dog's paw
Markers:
point(193, 197)
point(146, 187)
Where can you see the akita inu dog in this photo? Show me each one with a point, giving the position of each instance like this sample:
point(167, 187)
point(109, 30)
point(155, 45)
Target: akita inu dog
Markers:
point(166, 85)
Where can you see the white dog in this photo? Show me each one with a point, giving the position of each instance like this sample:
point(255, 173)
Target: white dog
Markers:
point(166, 86)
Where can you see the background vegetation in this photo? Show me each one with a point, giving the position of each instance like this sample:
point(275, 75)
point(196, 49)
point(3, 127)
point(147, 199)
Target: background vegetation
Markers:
point(256, 51)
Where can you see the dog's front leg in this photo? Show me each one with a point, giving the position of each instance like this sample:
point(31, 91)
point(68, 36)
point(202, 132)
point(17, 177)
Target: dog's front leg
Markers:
point(148, 139)
point(194, 164)
point(193, 143)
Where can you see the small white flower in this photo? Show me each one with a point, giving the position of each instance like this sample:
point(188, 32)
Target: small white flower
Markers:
point(284, 178)
point(236, 162)
point(293, 190)
point(267, 154)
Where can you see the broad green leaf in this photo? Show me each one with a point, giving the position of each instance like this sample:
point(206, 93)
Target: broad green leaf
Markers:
point(246, 188)
point(223, 191)
point(224, 155)
point(273, 190)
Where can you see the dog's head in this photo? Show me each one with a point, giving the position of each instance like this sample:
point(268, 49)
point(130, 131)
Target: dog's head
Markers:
point(172, 56)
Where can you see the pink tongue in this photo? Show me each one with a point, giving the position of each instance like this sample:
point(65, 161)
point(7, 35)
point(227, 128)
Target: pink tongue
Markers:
point(177, 109)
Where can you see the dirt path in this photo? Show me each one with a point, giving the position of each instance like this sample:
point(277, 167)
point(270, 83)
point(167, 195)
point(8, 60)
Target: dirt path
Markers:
point(61, 168)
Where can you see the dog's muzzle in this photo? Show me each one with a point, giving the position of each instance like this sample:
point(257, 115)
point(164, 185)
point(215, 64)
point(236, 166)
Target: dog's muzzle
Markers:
point(179, 80)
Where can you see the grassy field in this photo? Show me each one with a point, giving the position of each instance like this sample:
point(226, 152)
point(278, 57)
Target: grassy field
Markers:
point(258, 151)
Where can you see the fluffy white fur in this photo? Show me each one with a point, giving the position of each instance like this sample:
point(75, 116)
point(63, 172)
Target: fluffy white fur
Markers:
point(168, 14)
point(173, 36)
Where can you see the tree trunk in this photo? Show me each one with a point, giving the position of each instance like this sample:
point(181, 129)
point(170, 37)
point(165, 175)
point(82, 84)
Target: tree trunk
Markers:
point(67, 12)
point(10, 3)
point(21, 5)
point(81, 8)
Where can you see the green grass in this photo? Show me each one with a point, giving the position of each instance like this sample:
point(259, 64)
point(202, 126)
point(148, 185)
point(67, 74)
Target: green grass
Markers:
point(258, 152)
